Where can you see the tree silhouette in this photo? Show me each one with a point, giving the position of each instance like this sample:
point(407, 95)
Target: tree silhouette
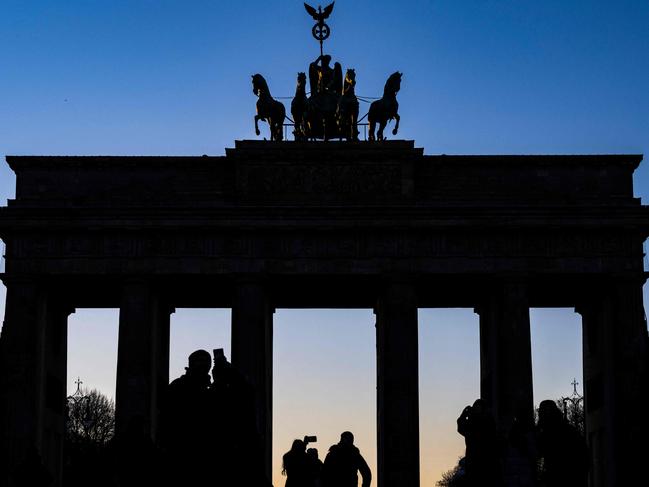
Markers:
point(90, 426)
point(573, 411)
point(450, 478)
point(90, 418)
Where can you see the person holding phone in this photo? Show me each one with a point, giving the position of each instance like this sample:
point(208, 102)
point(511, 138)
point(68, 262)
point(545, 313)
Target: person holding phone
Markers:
point(295, 465)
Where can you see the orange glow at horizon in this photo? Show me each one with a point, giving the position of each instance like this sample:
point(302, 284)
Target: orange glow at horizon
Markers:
point(325, 371)
point(334, 389)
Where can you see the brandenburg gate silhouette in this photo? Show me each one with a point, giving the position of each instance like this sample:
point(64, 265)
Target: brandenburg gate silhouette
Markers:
point(327, 225)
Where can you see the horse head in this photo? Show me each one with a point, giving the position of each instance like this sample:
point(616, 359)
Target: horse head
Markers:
point(259, 85)
point(301, 83)
point(393, 84)
point(350, 76)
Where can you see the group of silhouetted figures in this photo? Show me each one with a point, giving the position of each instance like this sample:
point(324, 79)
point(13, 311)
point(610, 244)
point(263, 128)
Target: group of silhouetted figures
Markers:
point(208, 428)
point(341, 467)
point(551, 453)
point(208, 435)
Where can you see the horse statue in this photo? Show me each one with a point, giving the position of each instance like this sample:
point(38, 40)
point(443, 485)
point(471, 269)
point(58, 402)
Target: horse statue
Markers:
point(347, 111)
point(268, 109)
point(298, 107)
point(385, 109)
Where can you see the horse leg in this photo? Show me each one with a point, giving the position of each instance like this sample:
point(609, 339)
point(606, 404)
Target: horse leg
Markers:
point(296, 128)
point(271, 128)
point(379, 133)
point(257, 125)
point(280, 131)
point(396, 127)
point(370, 136)
point(299, 128)
point(275, 130)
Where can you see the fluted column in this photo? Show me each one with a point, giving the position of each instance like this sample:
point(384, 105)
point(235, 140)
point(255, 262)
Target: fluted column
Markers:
point(397, 386)
point(506, 352)
point(161, 358)
point(22, 351)
point(252, 354)
point(615, 353)
point(56, 360)
point(142, 356)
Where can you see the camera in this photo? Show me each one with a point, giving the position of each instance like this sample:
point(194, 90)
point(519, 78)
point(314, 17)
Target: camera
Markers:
point(310, 439)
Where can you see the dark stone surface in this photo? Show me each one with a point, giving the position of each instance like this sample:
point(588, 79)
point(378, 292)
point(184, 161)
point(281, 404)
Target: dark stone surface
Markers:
point(328, 225)
point(312, 173)
point(303, 213)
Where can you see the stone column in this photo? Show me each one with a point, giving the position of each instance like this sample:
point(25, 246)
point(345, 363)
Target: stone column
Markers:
point(615, 353)
point(56, 359)
point(397, 386)
point(163, 329)
point(252, 354)
point(506, 353)
point(23, 369)
point(142, 356)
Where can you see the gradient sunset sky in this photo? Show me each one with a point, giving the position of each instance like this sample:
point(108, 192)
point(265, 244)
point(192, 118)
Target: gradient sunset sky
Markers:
point(155, 77)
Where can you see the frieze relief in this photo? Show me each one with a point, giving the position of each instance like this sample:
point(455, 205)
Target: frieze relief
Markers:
point(357, 244)
point(280, 181)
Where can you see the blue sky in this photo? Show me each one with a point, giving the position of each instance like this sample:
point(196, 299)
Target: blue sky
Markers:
point(85, 77)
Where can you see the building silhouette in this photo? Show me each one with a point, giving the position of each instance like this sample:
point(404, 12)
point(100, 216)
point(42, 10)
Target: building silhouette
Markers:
point(374, 225)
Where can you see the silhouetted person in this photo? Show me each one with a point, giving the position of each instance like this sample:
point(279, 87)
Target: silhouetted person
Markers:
point(482, 459)
point(342, 464)
point(237, 449)
point(564, 452)
point(315, 467)
point(31, 472)
point(521, 452)
point(296, 466)
point(184, 432)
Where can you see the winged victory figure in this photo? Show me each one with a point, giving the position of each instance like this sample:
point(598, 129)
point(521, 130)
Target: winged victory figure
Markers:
point(319, 15)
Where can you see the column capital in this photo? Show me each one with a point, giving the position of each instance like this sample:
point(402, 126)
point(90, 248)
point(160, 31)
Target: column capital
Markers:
point(398, 278)
point(502, 288)
point(136, 281)
point(65, 309)
point(26, 281)
point(251, 279)
point(602, 289)
point(398, 287)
